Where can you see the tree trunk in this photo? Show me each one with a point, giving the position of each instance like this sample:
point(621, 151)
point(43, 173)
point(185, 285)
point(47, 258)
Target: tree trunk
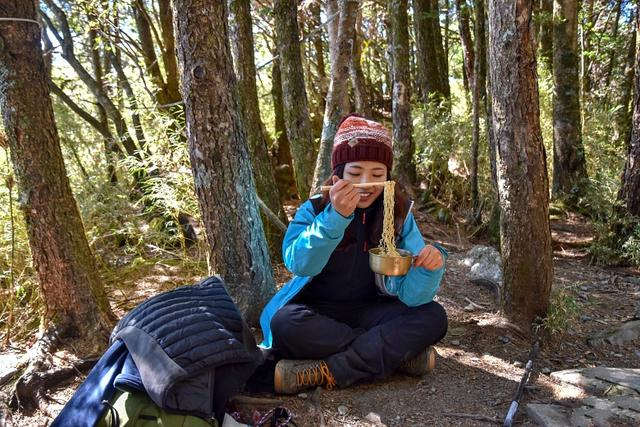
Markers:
point(569, 168)
point(66, 41)
point(220, 157)
point(360, 92)
point(630, 189)
point(242, 42)
point(522, 173)
point(614, 51)
point(465, 39)
point(318, 47)
point(587, 29)
point(284, 164)
point(169, 50)
point(429, 50)
point(403, 144)
point(443, 63)
point(71, 291)
point(622, 122)
point(107, 141)
point(479, 98)
point(294, 95)
point(338, 95)
point(546, 32)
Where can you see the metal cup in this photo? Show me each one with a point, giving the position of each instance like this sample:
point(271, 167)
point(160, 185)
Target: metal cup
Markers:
point(390, 265)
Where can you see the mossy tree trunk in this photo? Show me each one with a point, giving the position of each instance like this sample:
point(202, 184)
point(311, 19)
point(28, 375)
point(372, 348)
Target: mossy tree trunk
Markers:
point(521, 167)
point(546, 32)
point(296, 110)
point(569, 166)
point(403, 144)
point(630, 189)
point(220, 156)
point(242, 48)
point(72, 292)
point(468, 56)
point(338, 95)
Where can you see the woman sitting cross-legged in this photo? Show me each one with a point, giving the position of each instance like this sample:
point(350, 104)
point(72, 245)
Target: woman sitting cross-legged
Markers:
point(337, 322)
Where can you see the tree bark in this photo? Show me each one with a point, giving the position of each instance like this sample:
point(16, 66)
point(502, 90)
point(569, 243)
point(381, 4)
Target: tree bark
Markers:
point(522, 173)
point(569, 167)
point(622, 122)
point(242, 42)
point(284, 163)
point(318, 47)
point(630, 190)
point(587, 29)
point(468, 57)
point(479, 99)
point(403, 144)
point(429, 51)
point(72, 293)
point(546, 32)
point(338, 95)
point(220, 157)
point(98, 74)
point(443, 62)
point(614, 51)
point(294, 95)
point(169, 50)
point(360, 89)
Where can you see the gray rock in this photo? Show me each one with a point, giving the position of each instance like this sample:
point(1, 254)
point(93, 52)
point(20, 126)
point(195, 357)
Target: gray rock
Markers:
point(628, 331)
point(342, 410)
point(548, 415)
point(518, 364)
point(603, 380)
point(374, 418)
point(9, 366)
point(546, 371)
point(302, 395)
point(485, 264)
point(456, 342)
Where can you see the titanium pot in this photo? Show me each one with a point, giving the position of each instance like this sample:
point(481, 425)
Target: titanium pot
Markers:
point(390, 265)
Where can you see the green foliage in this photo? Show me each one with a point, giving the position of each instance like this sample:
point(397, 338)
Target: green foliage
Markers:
point(563, 310)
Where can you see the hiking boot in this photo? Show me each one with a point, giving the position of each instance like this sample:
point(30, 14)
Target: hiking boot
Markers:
point(293, 376)
point(423, 363)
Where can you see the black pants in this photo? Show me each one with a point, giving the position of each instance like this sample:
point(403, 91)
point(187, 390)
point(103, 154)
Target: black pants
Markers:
point(358, 343)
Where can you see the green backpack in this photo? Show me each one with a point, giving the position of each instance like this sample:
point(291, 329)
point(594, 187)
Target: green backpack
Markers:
point(138, 410)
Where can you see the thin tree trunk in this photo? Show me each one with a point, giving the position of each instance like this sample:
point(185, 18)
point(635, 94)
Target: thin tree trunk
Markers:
point(102, 113)
point(284, 164)
point(338, 95)
point(68, 54)
point(403, 144)
point(242, 48)
point(569, 166)
point(169, 50)
point(614, 51)
point(522, 173)
point(587, 28)
point(220, 156)
point(443, 63)
point(630, 190)
point(294, 95)
point(360, 92)
point(318, 47)
point(546, 32)
point(465, 39)
point(71, 291)
point(479, 99)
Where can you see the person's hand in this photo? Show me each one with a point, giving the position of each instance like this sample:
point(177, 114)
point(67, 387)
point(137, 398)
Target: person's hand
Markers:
point(429, 258)
point(344, 196)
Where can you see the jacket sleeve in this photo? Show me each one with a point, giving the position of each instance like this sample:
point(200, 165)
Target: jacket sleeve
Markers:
point(419, 285)
point(310, 239)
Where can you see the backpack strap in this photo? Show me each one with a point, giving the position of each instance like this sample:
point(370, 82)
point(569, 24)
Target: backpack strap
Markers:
point(316, 202)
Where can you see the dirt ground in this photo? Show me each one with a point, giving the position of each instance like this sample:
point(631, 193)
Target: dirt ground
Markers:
point(480, 361)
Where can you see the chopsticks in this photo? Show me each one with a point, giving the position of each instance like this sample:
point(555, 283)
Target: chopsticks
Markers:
point(361, 185)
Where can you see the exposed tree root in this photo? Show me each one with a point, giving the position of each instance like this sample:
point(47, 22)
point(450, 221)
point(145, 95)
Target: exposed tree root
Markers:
point(42, 373)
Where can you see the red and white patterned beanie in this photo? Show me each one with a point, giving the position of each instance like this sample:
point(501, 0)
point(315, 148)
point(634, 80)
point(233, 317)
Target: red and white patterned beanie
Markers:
point(360, 139)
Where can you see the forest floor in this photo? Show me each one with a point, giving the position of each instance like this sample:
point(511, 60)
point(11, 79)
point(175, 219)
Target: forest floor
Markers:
point(480, 362)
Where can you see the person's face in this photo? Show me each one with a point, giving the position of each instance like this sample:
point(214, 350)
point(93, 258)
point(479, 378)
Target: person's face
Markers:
point(366, 171)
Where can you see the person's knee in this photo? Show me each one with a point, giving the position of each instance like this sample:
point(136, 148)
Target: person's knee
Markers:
point(435, 316)
point(285, 322)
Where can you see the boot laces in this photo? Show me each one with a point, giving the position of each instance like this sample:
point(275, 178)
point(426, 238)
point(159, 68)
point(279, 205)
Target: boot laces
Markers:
point(316, 374)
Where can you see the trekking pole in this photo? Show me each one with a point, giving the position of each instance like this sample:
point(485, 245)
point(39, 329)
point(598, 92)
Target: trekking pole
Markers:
point(513, 409)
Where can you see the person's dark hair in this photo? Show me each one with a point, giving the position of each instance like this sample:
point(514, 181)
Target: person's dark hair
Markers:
point(374, 225)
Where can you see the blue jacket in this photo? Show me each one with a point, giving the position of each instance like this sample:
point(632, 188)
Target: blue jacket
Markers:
point(309, 242)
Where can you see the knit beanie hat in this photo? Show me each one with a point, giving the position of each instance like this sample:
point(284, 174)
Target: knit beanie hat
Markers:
point(360, 139)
